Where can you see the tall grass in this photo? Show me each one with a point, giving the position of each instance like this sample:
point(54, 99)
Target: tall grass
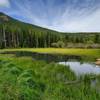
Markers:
point(24, 79)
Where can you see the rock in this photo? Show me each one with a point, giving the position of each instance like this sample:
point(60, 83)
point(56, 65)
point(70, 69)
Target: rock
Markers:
point(98, 62)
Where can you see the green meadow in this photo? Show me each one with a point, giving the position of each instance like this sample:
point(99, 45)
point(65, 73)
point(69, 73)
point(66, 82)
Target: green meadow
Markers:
point(80, 52)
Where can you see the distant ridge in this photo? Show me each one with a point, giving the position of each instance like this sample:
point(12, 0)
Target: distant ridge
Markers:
point(5, 19)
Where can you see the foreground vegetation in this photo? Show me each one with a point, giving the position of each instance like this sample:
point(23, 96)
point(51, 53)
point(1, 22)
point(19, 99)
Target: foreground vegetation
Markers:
point(23, 78)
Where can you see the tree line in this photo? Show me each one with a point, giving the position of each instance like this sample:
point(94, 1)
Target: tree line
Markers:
point(22, 35)
point(17, 36)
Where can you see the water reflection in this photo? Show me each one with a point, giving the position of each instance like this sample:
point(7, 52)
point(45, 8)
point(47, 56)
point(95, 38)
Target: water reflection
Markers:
point(82, 68)
point(46, 57)
point(76, 63)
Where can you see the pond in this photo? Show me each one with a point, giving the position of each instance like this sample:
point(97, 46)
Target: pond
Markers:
point(76, 63)
point(82, 68)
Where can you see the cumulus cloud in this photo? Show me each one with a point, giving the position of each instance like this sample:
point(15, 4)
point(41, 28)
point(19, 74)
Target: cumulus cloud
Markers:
point(4, 3)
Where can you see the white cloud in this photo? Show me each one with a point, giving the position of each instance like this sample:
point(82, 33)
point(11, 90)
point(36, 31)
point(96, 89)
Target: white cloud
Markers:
point(90, 23)
point(4, 3)
point(60, 18)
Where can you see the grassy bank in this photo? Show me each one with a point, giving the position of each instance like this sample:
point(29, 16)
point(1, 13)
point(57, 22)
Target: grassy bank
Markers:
point(24, 79)
point(81, 52)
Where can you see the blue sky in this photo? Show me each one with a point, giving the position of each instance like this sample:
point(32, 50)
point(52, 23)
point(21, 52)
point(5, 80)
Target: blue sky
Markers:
point(60, 15)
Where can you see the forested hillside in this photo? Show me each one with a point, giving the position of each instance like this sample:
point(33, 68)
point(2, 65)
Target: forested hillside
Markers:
point(15, 34)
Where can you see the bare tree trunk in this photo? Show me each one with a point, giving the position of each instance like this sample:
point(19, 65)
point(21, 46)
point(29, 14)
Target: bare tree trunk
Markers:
point(4, 37)
point(17, 40)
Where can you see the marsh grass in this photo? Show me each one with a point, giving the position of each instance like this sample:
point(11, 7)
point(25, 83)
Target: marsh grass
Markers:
point(81, 52)
point(24, 79)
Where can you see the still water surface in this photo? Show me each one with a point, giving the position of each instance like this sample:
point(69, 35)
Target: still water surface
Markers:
point(82, 68)
point(76, 63)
